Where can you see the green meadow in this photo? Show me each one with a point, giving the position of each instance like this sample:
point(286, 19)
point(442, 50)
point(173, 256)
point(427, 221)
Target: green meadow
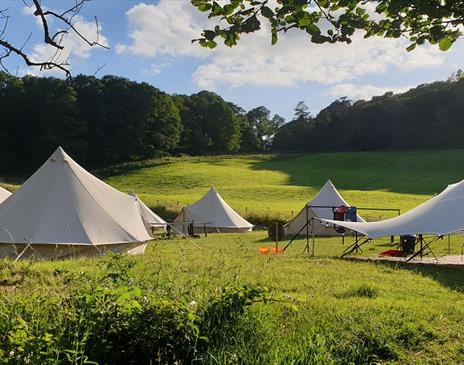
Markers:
point(216, 300)
point(278, 185)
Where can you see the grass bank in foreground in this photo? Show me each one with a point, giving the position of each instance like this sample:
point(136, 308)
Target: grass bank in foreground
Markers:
point(224, 303)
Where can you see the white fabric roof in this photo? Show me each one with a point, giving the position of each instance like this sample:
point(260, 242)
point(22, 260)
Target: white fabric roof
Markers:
point(329, 197)
point(4, 194)
point(64, 204)
point(440, 215)
point(214, 211)
point(148, 215)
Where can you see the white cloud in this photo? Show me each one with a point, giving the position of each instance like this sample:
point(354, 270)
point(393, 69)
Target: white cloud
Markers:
point(294, 59)
point(165, 28)
point(155, 69)
point(365, 92)
point(168, 27)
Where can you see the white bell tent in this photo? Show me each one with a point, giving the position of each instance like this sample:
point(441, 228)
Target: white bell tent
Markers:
point(63, 210)
point(153, 220)
point(211, 212)
point(320, 207)
point(4, 194)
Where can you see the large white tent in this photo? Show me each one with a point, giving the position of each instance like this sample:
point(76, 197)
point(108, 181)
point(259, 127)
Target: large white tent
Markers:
point(441, 215)
point(320, 207)
point(63, 210)
point(153, 219)
point(212, 212)
point(4, 194)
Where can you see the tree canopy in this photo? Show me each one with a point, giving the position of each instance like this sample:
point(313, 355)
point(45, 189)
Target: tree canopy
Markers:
point(331, 21)
point(428, 116)
point(112, 119)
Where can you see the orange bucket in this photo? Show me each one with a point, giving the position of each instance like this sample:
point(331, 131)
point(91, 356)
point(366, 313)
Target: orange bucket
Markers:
point(264, 250)
point(277, 251)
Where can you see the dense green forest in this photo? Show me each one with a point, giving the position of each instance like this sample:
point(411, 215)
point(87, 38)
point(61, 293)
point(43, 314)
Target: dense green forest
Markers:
point(112, 120)
point(428, 116)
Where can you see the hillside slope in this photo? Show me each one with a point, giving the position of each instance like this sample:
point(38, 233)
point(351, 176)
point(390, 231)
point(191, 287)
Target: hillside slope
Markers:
point(280, 185)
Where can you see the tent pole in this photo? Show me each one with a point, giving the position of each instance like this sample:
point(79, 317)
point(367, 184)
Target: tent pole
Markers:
point(19, 256)
point(312, 232)
point(183, 221)
point(295, 236)
point(354, 247)
point(277, 237)
point(421, 245)
point(307, 228)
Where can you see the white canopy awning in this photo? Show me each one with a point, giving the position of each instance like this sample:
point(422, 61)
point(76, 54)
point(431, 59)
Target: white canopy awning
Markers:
point(443, 214)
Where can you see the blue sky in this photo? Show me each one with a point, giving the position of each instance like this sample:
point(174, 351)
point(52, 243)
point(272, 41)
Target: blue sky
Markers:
point(150, 41)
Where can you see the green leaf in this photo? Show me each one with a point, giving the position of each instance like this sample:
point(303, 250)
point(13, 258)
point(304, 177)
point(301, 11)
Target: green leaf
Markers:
point(411, 47)
point(204, 7)
point(313, 29)
point(267, 12)
point(445, 44)
point(274, 36)
point(211, 44)
point(209, 35)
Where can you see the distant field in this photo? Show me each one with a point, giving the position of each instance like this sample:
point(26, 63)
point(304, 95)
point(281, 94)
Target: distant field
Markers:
point(280, 185)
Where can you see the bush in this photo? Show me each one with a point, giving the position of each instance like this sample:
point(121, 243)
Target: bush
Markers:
point(110, 320)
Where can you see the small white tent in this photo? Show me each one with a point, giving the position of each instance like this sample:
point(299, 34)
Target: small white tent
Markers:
point(320, 207)
point(211, 212)
point(153, 220)
point(4, 194)
point(63, 210)
point(441, 215)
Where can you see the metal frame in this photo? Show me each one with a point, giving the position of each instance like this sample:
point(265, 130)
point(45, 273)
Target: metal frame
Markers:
point(424, 246)
point(309, 224)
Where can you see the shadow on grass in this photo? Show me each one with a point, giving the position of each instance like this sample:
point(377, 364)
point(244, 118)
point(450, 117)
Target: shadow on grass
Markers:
point(451, 278)
point(128, 168)
point(407, 172)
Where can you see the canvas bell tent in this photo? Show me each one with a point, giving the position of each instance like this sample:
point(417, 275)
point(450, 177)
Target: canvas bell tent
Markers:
point(4, 194)
point(320, 207)
point(64, 210)
point(214, 214)
point(151, 218)
point(438, 216)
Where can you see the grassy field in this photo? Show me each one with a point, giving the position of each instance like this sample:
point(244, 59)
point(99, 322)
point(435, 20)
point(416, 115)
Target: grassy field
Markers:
point(216, 300)
point(280, 185)
point(318, 310)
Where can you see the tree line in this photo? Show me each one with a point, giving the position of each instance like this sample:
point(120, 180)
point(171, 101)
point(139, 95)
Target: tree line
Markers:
point(110, 120)
point(428, 116)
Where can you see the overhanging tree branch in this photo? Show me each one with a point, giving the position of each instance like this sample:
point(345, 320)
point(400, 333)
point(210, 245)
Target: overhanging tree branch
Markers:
point(54, 39)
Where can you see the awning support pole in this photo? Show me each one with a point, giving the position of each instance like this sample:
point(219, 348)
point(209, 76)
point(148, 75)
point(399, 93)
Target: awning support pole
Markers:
point(355, 247)
point(424, 245)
